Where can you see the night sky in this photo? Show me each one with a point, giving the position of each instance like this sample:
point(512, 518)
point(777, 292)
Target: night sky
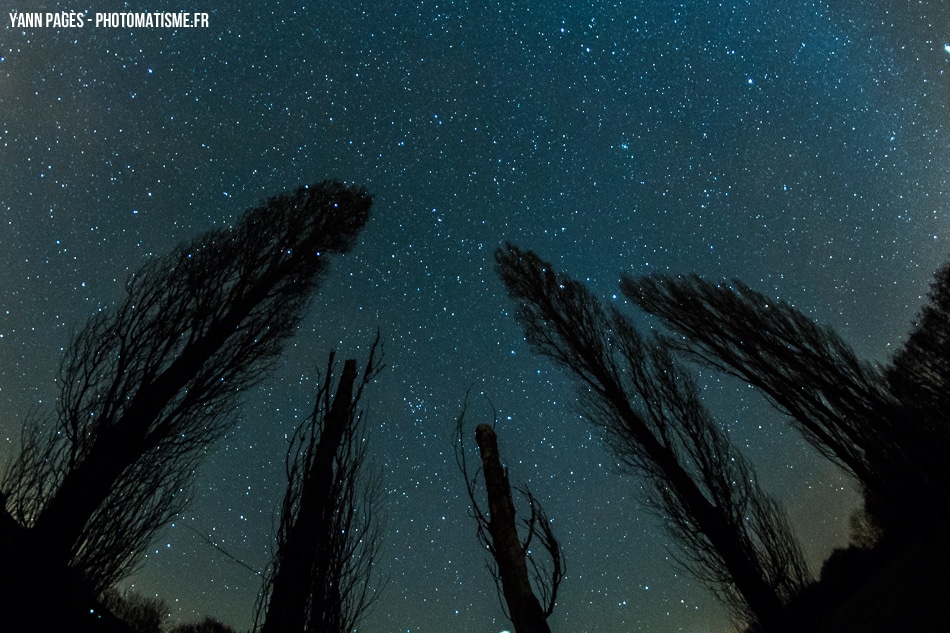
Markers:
point(802, 147)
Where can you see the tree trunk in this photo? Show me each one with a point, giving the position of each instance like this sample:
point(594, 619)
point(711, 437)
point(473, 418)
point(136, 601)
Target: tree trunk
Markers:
point(741, 564)
point(308, 551)
point(61, 523)
point(525, 610)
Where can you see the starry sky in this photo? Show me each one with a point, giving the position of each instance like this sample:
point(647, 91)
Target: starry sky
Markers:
point(802, 147)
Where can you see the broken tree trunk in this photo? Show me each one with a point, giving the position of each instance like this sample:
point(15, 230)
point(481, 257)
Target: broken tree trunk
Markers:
point(524, 608)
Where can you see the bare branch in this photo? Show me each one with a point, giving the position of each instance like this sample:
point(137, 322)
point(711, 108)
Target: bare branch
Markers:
point(210, 541)
point(517, 587)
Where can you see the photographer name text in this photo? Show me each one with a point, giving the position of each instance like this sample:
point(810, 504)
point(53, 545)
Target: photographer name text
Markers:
point(78, 20)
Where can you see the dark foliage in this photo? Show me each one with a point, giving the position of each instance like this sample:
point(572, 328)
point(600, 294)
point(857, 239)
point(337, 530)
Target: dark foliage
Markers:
point(141, 613)
point(773, 346)
point(919, 376)
point(148, 386)
point(527, 587)
point(731, 534)
point(920, 372)
point(321, 578)
point(62, 603)
point(208, 625)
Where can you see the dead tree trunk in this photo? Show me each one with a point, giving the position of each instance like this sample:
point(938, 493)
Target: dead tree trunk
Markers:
point(525, 610)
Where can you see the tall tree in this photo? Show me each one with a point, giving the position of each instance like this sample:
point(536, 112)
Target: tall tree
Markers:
point(321, 577)
point(919, 373)
point(145, 388)
point(527, 588)
point(841, 405)
point(731, 534)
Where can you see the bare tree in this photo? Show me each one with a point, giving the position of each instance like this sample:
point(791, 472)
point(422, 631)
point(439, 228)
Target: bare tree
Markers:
point(841, 405)
point(731, 534)
point(321, 578)
point(148, 386)
point(528, 594)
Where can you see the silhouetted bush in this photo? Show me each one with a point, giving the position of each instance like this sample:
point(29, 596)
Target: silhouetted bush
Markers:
point(208, 625)
point(143, 614)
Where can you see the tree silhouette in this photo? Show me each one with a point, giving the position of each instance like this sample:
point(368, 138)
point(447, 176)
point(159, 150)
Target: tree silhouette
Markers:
point(145, 388)
point(920, 371)
point(732, 536)
point(321, 578)
point(919, 376)
point(141, 613)
point(207, 625)
point(498, 532)
point(842, 406)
